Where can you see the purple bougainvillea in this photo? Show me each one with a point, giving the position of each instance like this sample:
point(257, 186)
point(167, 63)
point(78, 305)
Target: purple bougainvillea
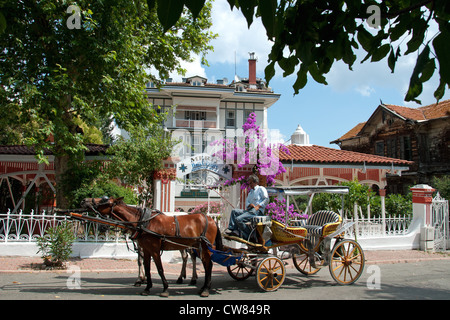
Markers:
point(277, 211)
point(251, 149)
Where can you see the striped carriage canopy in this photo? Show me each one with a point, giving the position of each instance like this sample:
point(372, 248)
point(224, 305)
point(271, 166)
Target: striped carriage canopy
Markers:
point(306, 190)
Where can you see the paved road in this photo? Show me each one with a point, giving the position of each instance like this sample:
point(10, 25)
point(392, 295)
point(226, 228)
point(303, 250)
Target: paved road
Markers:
point(419, 280)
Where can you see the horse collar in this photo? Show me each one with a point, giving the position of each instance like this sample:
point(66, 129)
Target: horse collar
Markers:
point(115, 215)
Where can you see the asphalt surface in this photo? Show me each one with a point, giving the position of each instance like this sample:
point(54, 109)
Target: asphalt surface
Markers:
point(18, 264)
point(388, 275)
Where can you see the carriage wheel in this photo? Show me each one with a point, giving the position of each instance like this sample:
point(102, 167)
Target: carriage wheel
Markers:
point(347, 262)
point(240, 271)
point(270, 274)
point(301, 262)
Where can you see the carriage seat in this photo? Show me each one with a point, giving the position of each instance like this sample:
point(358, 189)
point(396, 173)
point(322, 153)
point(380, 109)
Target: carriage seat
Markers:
point(261, 220)
point(322, 223)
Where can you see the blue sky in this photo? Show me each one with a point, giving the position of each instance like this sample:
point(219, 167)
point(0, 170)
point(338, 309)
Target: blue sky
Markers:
point(324, 112)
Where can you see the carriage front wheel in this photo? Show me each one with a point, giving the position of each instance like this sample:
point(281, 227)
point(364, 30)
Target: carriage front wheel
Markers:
point(270, 274)
point(347, 262)
point(241, 270)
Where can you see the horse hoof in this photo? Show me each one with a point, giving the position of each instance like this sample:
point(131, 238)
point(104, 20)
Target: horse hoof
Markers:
point(164, 294)
point(193, 282)
point(204, 293)
point(145, 293)
point(180, 280)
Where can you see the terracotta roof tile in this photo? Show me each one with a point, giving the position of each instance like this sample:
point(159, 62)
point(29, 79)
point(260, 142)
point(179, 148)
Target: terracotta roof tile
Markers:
point(207, 85)
point(429, 112)
point(93, 149)
point(19, 150)
point(353, 132)
point(319, 154)
point(432, 111)
point(405, 112)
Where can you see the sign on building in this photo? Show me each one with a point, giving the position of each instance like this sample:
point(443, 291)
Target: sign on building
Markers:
point(203, 161)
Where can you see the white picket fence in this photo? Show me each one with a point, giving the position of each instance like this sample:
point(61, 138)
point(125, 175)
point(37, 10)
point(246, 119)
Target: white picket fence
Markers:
point(378, 227)
point(19, 232)
point(22, 227)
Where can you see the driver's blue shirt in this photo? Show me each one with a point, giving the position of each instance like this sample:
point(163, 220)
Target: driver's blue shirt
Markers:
point(258, 196)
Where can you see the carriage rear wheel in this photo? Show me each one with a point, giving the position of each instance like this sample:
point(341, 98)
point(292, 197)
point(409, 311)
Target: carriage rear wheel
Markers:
point(241, 270)
point(347, 262)
point(301, 262)
point(270, 274)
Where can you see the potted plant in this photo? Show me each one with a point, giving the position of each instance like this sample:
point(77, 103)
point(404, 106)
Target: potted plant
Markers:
point(56, 245)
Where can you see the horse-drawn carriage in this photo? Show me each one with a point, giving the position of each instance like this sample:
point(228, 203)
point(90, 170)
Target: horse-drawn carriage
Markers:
point(312, 244)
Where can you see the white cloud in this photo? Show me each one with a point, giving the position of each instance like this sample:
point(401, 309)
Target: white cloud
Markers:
point(234, 36)
point(275, 136)
point(193, 68)
point(365, 90)
point(235, 40)
point(367, 77)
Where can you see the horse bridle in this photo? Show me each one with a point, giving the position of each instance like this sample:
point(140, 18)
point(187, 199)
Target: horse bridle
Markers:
point(94, 206)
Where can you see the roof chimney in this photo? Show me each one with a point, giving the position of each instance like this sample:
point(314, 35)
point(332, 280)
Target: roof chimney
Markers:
point(252, 69)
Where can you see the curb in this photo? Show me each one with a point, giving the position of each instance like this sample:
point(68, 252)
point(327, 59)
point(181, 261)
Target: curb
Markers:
point(24, 264)
point(412, 260)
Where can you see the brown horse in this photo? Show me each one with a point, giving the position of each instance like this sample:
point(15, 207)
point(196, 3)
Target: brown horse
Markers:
point(156, 232)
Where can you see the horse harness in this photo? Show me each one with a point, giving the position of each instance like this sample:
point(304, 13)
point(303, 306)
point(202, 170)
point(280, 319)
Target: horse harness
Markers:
point(146, 216)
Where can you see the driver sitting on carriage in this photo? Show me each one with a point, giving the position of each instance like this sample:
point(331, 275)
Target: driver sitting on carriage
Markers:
point(256, 202)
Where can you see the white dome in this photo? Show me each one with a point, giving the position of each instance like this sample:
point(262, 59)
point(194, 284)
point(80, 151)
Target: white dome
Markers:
point(300, 137)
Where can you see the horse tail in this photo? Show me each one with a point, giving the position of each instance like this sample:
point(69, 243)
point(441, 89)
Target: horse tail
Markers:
point(218, 240)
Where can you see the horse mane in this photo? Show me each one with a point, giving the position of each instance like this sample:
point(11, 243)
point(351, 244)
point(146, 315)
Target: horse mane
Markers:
point(141, 210)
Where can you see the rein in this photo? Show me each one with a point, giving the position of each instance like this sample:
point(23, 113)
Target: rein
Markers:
point(145, 217)
point(143, 213)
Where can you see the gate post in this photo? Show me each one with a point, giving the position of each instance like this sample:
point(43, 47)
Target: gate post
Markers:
point(383, 210)
point(164, 190)
point(422, 199)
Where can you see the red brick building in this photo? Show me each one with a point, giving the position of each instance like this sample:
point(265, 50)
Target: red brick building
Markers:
point(27, 184)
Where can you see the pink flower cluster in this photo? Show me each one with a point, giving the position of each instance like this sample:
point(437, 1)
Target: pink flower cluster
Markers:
point(249, 149)
point(277, 211)
point(214, 207)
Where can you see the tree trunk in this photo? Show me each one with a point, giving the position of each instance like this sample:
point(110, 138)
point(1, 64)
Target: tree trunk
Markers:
point(61, 157)
point(61, 167)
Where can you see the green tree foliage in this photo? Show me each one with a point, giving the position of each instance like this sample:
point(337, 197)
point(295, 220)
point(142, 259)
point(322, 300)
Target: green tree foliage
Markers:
point(101, 188)
point(90, 179)
point(395, 204)
point(310, 35)
point(129, 161)
point(358, 193)
point(399, 205)
point(51, 75)
point(442, 185)
point(136, 159)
